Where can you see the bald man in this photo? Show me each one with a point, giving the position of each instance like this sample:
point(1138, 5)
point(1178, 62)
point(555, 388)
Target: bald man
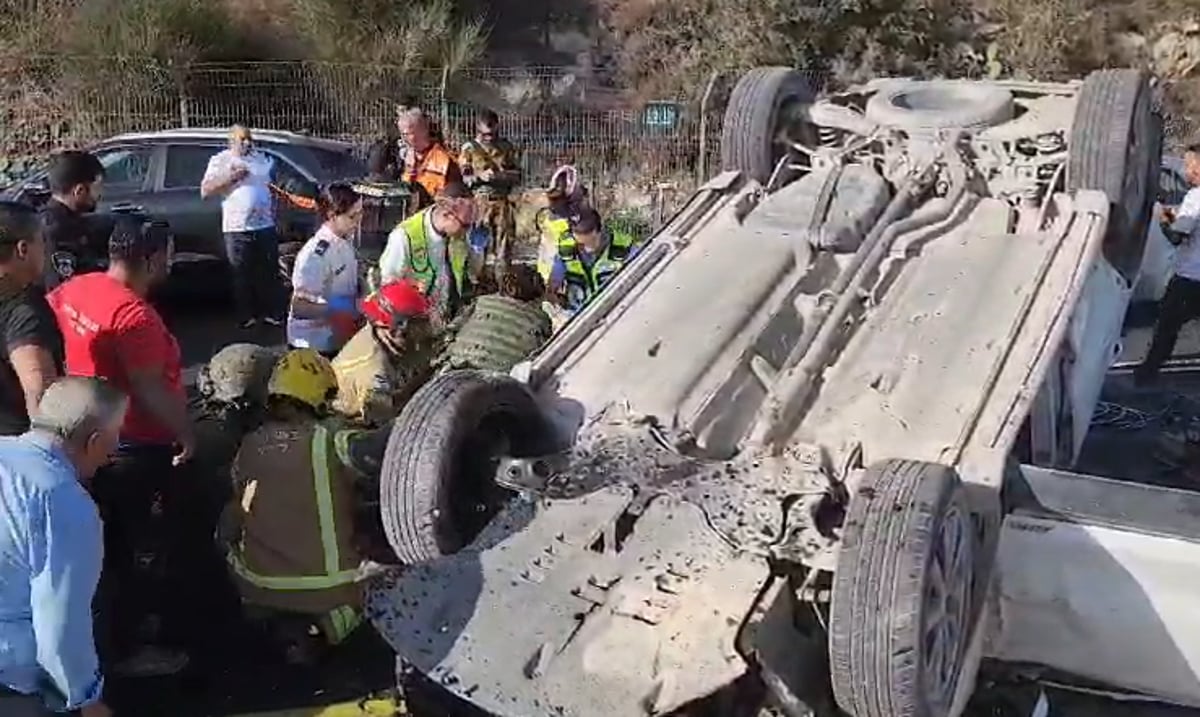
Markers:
point(241, 176)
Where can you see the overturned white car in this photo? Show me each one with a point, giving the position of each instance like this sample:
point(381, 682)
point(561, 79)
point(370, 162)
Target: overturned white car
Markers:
point(782, 444)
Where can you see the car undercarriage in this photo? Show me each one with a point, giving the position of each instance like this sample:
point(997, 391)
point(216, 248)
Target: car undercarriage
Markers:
point(808, 433)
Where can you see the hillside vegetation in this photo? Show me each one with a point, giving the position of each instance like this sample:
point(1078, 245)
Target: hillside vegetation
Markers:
point(651, 48)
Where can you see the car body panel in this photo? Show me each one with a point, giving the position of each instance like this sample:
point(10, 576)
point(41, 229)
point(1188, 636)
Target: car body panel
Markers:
point(1098, 580)
point(554, 612)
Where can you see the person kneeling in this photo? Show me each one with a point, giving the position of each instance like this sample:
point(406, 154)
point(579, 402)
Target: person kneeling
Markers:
point(388, 359)
point(294, 547)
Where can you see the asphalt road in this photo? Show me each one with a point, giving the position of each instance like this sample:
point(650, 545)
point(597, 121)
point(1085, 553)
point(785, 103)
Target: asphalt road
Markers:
point(234, 673)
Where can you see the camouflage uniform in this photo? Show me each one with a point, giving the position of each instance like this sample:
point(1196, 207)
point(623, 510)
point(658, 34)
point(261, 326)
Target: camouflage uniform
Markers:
point(373, 381)
point(498, 333)
point(496, 211)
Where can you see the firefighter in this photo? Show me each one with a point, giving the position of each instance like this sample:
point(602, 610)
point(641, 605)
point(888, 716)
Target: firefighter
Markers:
point(388, 359)
point(500, 330)
point(427, 163)
point(490, 168)
point(430, 248)
point(290, 530)
point(589, 256)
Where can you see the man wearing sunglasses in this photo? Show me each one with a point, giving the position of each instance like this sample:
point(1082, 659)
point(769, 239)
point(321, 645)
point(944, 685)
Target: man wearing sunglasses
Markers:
point(430, 249)
point(387, 359)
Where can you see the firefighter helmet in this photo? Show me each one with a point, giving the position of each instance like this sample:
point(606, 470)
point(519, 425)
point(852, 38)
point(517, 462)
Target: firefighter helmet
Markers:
point(305, 375)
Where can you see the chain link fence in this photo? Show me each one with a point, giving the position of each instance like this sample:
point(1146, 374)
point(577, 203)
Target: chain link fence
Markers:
point(645, 155)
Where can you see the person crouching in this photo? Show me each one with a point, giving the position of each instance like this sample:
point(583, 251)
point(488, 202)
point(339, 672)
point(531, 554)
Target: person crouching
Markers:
point(290, 529)
point(388, 359)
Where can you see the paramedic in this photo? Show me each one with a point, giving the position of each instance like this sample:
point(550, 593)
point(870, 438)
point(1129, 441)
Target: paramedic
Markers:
point(323, 312)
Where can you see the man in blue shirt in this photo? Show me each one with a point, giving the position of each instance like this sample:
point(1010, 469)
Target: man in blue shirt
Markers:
point(589, 256)
point(51, 548)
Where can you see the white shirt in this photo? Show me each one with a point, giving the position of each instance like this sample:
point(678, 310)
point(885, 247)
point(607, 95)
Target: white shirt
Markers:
point(1187, 222)
point(394, 262)
point(248, 206)
point(326, 266)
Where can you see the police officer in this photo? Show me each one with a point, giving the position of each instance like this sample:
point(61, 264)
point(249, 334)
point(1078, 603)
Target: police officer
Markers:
point(294, 547)
point(388, 359)
point(500, 330)
point(490, 168)
point(75, 180)
point(589, 256)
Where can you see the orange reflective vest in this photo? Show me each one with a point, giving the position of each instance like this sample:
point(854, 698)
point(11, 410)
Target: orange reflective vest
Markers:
point(432, 170)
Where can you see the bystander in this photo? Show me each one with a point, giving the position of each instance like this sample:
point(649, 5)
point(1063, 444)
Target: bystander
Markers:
point(32, 347)
point(242, 176)
point(111, 331)
point(51, 553)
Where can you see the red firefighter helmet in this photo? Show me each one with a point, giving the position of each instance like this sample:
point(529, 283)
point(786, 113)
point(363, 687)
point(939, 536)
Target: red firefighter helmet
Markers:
point(395, 303)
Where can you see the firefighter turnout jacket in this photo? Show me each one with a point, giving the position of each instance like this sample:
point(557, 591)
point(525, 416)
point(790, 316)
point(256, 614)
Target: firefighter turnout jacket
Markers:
point(293, 548)
point(374, 382)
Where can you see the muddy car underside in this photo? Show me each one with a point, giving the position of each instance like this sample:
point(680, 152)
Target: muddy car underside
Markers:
point(780, 436)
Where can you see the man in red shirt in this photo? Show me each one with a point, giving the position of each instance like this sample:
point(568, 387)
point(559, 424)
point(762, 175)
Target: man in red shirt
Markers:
point(111, 331)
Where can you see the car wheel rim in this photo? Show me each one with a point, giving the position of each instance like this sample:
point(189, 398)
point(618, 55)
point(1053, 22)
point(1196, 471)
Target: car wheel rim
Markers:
point(947, 602)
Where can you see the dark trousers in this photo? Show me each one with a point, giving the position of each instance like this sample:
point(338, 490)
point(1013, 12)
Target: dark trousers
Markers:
point(1180, 304)
point(140, 500)
point(15, 705)
point(254, 259)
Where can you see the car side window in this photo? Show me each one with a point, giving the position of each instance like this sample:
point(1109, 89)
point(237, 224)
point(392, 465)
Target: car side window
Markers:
point(186, 165)
point(289, 179)
point(1171, 188)
point(126, 167)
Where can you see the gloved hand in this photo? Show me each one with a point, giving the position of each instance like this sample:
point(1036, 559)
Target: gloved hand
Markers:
point(344, 304)
point(344, 326)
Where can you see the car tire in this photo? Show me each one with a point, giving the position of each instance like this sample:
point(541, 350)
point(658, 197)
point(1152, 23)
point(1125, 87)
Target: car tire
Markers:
point(1116, 147)
point(750, 137)
point(288, 251)
point(436, 487)
point(925, 107)
point(908, 547)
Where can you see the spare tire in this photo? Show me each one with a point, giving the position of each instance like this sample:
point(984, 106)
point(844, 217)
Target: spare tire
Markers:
point(926, 106)
point(1116, 147)
point(436, 488)
point(756, 118)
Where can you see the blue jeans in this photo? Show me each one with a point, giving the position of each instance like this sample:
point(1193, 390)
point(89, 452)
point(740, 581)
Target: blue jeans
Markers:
point(254, 258)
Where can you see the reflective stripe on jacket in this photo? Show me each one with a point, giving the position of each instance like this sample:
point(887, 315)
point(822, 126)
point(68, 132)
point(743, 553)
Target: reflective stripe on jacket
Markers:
point(583, 282)
point(296, 550)
point(500, 333)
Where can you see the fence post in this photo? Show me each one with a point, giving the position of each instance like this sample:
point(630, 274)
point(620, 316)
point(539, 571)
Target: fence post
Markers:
point(444, 108)
point(702, 165)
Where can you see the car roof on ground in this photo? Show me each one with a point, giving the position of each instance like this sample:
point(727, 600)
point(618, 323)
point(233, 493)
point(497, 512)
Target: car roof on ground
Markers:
point(222, 133)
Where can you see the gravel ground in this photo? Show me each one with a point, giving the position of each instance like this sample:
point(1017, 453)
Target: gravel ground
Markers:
point(235, 675)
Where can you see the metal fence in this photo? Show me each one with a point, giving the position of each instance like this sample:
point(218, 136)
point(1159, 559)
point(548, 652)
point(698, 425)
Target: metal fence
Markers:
point(553, 114)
